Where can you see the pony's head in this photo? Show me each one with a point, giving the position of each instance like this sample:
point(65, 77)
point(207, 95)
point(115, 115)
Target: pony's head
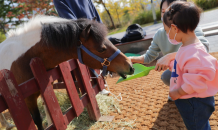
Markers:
point(93, 35)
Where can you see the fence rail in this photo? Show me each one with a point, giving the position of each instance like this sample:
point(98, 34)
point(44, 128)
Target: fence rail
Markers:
point(66, 73)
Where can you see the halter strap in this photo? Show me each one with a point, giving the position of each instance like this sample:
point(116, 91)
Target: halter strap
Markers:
point(105, 62)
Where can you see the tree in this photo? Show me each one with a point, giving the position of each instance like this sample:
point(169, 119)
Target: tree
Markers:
point(108, 12)
point(106, 20)
point(32, 7)
point(115, 9)
point(9, 12)
point(14, 12)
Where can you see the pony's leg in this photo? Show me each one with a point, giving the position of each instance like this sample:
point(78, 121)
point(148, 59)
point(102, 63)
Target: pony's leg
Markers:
point(49, 121)
point(5, 123)
point(31, 102)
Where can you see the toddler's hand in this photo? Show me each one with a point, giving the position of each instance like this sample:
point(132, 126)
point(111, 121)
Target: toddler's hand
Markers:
point(174, 94)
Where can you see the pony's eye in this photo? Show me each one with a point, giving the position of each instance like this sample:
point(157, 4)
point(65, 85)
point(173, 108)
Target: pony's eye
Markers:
point(102, 50)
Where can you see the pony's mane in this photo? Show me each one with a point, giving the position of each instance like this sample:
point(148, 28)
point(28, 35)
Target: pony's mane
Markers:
point(64, 35)
point(22, 38)
point(34, 23)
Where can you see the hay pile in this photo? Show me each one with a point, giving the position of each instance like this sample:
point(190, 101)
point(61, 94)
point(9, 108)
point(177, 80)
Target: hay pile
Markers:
point(107, 104)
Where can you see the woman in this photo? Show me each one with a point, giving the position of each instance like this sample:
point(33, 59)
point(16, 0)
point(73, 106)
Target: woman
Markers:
point(160, 43)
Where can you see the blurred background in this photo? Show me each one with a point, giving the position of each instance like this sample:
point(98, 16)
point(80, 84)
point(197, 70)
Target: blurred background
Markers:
point(116, 14)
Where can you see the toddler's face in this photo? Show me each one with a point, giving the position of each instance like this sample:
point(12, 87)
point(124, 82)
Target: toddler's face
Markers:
point(173, 32)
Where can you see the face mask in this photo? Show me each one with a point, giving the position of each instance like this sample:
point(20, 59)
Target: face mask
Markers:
point(172, 41)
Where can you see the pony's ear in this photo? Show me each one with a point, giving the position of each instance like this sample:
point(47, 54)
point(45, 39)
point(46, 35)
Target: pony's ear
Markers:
point(85, 33)
point(94, 19)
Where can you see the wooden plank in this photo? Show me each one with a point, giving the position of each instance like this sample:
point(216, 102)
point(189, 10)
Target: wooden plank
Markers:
point(15, 101)
point(26, 90)
point(78, 77)
point(100, 81)
point(47, 93)
point(97, 83)
point(96, 89)
point(93, 78)
point(71, 88)
point(69, 114)
point(54, 74)
point(93, 109)
point(72, 64)
point(59, 85)
point(29, 87)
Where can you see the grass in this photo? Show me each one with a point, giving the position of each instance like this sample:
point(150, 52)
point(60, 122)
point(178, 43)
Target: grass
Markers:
point(2, 37)
point(211, 9)
point(123, 29)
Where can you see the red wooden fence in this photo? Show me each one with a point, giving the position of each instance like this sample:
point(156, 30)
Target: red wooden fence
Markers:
point(67, 72)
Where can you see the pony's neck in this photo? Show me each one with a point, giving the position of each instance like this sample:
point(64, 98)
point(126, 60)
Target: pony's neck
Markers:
point(50, 57)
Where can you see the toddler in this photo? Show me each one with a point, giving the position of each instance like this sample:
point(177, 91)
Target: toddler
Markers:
point(194, 79)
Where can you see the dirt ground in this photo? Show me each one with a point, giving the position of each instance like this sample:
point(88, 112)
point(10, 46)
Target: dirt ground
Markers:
point(144, 100)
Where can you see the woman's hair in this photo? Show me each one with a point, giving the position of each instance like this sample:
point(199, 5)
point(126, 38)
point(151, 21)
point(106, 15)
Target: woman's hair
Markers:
point(168, 2)
point(185, 15)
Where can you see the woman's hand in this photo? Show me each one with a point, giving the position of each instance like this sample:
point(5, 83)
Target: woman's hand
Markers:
point(164, 62)
point(137, 59)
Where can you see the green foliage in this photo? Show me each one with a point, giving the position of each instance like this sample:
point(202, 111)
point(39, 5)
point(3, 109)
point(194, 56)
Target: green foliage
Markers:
point(146, 17)
point(2, 37)
point(207, 4)
point(8, 11)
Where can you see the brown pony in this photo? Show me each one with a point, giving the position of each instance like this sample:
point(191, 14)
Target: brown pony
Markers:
point(55, 40)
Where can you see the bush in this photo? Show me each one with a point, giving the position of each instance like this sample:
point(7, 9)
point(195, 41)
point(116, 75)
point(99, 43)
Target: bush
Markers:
point(207, 4)
point(146, 17)
point(2, 37)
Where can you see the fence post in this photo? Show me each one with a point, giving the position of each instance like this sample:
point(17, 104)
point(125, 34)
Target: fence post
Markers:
point(15, 101)
point(92, 107)
point(47, 93)
point(71, 88)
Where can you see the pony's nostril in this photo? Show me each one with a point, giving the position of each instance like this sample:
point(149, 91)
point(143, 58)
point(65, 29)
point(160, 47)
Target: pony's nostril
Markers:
point(132, 70)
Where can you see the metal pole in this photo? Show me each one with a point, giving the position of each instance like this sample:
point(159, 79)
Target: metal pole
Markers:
point(153, 12)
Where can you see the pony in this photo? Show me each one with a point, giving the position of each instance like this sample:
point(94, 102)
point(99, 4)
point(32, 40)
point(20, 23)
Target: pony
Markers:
point(55, 40)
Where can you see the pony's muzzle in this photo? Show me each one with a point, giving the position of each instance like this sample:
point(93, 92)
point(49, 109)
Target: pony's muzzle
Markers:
point(131, 70)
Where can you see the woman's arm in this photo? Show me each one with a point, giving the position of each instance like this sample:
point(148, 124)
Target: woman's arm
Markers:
point(63, 9)
point(200, 35)
point(152, 53)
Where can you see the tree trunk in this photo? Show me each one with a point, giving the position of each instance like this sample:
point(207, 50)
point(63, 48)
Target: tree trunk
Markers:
point(118, 17)
point(2, 27)
point(108, 14)
point(142, 6)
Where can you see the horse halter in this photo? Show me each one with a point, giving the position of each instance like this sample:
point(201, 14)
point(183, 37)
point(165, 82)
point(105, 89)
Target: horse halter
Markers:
point(104, 62)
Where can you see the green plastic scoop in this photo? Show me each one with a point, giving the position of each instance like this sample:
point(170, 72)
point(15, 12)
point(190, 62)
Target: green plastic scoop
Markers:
point(131, 54)
point(140, 71)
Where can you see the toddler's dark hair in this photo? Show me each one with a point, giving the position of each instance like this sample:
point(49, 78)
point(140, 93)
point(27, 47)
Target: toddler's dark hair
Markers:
point(185, 15)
